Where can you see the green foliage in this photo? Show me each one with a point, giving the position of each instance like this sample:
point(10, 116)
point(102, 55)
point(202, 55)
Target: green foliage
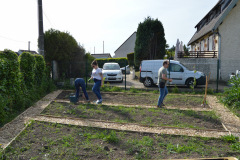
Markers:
point(150, 41)
point(230, 138)
point(121, 61)
point(89, 58)
point(27, 67)
point(130, 57)
point(18, 88)
point(63, 48)
point(175, 89)
point(232, 94)
point(40, 69)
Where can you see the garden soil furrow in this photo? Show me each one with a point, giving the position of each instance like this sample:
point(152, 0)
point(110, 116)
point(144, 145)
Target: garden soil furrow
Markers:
point(231, 121)
point(13, 128)
point(133, 127)
point(142, 106)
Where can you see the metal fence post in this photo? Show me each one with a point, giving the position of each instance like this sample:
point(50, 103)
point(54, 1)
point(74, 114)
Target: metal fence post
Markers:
point(86, 72)
point(217, 74)
point(125, 76)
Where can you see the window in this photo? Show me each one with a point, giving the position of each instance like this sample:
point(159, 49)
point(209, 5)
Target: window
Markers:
point(175, 68)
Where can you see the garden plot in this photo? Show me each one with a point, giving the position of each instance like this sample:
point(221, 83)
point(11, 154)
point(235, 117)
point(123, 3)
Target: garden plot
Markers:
point(43, 140)
point(138, 115)
point(144, 99)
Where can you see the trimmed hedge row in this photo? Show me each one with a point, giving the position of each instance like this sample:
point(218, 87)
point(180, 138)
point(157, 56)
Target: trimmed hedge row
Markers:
point(130, 57)
point(23, 80)
point(121, 61)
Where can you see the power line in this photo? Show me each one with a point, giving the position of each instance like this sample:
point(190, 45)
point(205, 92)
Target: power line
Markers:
point(13, 39)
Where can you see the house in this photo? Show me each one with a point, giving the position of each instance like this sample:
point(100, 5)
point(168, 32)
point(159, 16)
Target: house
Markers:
point(127, 47)
point(21, 51)
point(101, 55)
point(215, 44)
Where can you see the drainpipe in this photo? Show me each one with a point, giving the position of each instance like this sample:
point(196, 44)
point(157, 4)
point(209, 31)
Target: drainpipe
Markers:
point(219, 52)
point(219, 59)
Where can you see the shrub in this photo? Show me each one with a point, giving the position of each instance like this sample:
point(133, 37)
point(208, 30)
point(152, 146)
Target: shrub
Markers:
point(121, 61)
point(130, 57)
point(10, 78)
point(27, 67)
point(40, 69)
point(232, 94)
point(15, 96)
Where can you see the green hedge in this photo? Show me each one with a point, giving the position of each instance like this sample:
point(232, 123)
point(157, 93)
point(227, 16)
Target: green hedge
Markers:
point(27, 67)
point(40, 69)
point(130, 57)
point(19, 88)
point(121, 61)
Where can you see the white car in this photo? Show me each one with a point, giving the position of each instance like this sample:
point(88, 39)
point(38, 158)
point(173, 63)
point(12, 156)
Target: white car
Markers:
point(112, 72)
point(180, 74)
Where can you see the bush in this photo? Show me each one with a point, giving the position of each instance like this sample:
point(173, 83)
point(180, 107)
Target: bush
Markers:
point(27, 67)
point(232, 94)
point(121, 61)
point(10, 78)
point(40, 69)
point(130, 57)
point(15, 96)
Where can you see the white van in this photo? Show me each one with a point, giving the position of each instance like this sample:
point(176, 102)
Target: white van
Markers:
point(178, 73)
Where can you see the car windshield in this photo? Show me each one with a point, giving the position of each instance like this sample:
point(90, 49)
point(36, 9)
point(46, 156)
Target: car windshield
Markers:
point(111, 67)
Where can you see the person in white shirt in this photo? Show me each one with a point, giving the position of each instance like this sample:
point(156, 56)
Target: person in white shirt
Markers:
point(98, 81)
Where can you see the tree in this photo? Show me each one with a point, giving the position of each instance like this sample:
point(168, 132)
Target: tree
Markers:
point(150, 41)
point(170, 52)
point(63, 48)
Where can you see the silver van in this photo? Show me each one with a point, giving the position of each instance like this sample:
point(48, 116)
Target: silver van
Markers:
point(176, 71)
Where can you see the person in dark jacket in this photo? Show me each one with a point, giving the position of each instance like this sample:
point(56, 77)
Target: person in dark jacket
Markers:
point(79, 82)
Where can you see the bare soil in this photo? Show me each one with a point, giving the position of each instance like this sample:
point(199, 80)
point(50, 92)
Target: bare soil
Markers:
point(43, 140)
point(145, 116)
point(180, 101)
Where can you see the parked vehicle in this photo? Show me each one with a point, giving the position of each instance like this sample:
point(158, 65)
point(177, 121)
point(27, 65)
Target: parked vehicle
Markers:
point(127, 69)
point(112, 72)
point(176, 71)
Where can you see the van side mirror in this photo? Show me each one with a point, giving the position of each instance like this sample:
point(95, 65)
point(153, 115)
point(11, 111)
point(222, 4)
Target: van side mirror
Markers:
point(181, 70)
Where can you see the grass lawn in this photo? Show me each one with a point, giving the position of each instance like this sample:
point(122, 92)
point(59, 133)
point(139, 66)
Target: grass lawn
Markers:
point(145, 116)
point(42, 140)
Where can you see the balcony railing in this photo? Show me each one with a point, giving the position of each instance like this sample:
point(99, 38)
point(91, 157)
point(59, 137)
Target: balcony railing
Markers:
point(198, 54)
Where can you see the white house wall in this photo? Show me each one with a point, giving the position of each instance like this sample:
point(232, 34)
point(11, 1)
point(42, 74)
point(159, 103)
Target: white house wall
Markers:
point(230, 43)
point(127, 47)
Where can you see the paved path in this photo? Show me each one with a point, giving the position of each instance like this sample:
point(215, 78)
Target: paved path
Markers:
point(136, 84)
point(9, 131)
point(231, 121)
point(133, 127)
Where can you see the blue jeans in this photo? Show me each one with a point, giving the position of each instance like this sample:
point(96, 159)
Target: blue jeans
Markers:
point(79, 82)
point(96, 88)
point(163, 93)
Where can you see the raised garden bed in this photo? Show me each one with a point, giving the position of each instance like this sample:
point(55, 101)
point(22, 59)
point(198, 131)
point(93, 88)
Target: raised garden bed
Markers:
point(144, 116)
point(181, 101)
point(42, 140)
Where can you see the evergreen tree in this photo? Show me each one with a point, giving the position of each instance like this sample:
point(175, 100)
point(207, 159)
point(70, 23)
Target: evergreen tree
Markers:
point(150, 41)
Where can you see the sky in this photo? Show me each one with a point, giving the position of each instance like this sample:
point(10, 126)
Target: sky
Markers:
point(91, 22)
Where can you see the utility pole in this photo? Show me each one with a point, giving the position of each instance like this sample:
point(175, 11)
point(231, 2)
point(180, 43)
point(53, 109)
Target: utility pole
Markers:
point(40, 28)
point(29, 46)
point(94, 49)
point(103, 47)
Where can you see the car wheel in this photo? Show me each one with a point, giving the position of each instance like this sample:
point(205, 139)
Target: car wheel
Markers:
point(190, 82)
point(148, 82)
